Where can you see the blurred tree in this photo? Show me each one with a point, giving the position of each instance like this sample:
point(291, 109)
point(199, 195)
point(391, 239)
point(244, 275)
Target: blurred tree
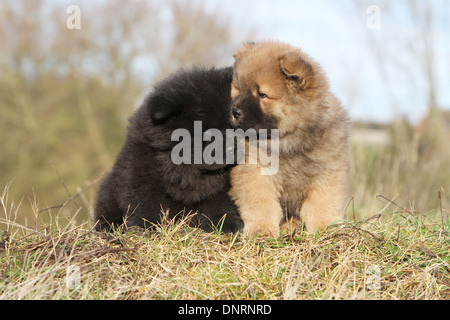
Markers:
point(183, 45)
point(417, 159)
point(65, 95)
point(415, 28)
point(419, 36)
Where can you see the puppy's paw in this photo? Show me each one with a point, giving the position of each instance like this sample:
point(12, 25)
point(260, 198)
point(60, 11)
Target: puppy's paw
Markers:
point(261, 230)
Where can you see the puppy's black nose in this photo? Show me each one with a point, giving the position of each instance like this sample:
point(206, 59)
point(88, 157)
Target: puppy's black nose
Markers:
point(237, 112)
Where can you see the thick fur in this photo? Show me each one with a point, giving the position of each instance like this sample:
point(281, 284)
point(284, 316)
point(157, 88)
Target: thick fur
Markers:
point(144, 183)
point(277, 86)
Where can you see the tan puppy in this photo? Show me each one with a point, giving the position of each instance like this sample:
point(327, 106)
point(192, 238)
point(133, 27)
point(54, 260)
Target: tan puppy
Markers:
point(277, 86)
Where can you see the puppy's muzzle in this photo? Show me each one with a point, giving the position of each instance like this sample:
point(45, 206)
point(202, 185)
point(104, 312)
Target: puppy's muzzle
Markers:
point(236, 112)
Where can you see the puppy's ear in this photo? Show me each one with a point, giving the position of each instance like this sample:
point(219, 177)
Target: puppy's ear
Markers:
point(161, 108)
point(297, 69)
point(244, 48)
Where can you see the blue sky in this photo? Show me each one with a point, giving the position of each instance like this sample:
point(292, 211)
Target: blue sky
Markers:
point(335, 33)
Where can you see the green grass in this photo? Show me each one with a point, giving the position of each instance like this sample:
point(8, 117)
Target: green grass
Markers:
point(392, 255)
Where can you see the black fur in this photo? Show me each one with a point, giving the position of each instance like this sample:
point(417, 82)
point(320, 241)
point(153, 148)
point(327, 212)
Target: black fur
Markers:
point(246, 114)
point(144, 179)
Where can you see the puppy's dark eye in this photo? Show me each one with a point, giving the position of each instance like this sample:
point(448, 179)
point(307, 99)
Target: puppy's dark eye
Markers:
point(261, 95)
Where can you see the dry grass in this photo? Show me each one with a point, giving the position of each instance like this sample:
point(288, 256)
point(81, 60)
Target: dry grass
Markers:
point(393, 255)
point(411, 168)
point(389, 248)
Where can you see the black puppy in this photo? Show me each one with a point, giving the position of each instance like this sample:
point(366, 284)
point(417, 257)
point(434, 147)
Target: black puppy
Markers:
point(145, 180)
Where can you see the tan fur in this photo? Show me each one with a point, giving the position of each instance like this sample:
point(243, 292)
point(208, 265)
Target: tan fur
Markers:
point(312, 180)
